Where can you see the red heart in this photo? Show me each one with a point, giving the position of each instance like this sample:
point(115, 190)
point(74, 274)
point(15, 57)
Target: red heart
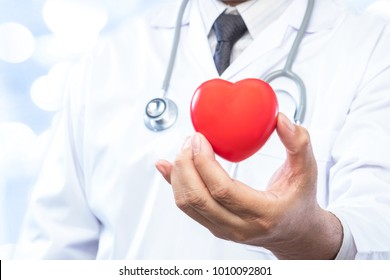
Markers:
point(236, 118)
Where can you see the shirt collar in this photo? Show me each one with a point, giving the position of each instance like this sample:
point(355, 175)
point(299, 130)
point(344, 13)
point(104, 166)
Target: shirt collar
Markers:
point(252, 12)
point(257, 14)
point(326, 14)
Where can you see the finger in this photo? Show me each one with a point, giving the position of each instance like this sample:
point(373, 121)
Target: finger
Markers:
point(233, 195)
point(165, 168)
point(182, 175)
point(193, 197)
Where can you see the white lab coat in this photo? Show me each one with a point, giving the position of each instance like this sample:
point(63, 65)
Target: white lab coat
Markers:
point(100, 195)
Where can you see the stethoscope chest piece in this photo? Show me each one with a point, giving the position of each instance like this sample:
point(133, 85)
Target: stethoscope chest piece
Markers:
point(160, 114)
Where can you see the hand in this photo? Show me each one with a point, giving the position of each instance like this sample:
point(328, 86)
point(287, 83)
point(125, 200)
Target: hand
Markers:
point(285, 218)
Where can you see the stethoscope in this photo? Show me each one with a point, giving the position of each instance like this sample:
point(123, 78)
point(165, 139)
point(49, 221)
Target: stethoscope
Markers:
point(161, 112)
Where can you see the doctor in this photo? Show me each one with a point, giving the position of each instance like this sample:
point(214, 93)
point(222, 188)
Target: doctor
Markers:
point(324, 196)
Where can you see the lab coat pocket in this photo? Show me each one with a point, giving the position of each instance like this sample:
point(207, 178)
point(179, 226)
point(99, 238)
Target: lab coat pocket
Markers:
point(322, 143)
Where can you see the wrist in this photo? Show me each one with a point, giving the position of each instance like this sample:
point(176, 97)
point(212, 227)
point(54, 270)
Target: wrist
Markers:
point(318, 237)
point(331, 237)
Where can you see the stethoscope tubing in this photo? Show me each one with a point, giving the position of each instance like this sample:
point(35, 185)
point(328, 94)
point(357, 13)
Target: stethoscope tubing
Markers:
point(161, 122)
point(287, 71)
point(174, 49)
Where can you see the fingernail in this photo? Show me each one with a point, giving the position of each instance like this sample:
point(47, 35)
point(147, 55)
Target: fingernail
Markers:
point(187, 143)
point(196, 144)
point(288, 123)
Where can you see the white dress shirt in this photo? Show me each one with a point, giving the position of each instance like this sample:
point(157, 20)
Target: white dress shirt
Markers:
point(257, 15)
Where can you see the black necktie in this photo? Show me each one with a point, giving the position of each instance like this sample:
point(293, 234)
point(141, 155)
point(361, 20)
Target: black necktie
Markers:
point(228, 29)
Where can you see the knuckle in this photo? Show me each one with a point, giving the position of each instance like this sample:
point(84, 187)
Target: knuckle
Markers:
point(221, 234)
point(179, 162)
point(304, 138)
point(181, 204)
point(267, 227)
point(194, 200)
point(240, 237)
point(220, 193)
point(303, 142)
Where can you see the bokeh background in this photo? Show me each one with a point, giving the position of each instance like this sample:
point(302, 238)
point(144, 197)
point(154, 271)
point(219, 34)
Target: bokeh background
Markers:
point(39, 42)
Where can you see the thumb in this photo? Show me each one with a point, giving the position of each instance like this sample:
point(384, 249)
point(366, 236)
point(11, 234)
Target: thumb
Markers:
point(296, 140)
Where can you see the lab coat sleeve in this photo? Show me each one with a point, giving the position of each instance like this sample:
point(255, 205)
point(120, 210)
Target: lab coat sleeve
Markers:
point(360, 177)
point(59, 223)
point(348, 249)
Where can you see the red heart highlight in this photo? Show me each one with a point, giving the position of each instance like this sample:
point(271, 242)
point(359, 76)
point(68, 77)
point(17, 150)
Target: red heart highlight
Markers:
point(236, 118)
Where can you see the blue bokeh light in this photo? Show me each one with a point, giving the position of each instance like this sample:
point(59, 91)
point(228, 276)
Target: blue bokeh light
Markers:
point(41, 39)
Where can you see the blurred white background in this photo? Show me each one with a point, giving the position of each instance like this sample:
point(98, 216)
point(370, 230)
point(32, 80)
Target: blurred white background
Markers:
point(39, 42)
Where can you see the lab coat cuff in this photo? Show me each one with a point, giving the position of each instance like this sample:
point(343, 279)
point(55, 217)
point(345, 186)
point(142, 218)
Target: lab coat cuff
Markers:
point(348, 250)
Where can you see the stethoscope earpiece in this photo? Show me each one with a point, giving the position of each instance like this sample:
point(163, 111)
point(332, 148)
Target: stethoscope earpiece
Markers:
point(160, 114)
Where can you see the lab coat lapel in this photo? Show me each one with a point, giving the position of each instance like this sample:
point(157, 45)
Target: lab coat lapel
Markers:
point(277, 34)
point(196, 48)
point(270, 39)
point(193, 44)
point(197, 45)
